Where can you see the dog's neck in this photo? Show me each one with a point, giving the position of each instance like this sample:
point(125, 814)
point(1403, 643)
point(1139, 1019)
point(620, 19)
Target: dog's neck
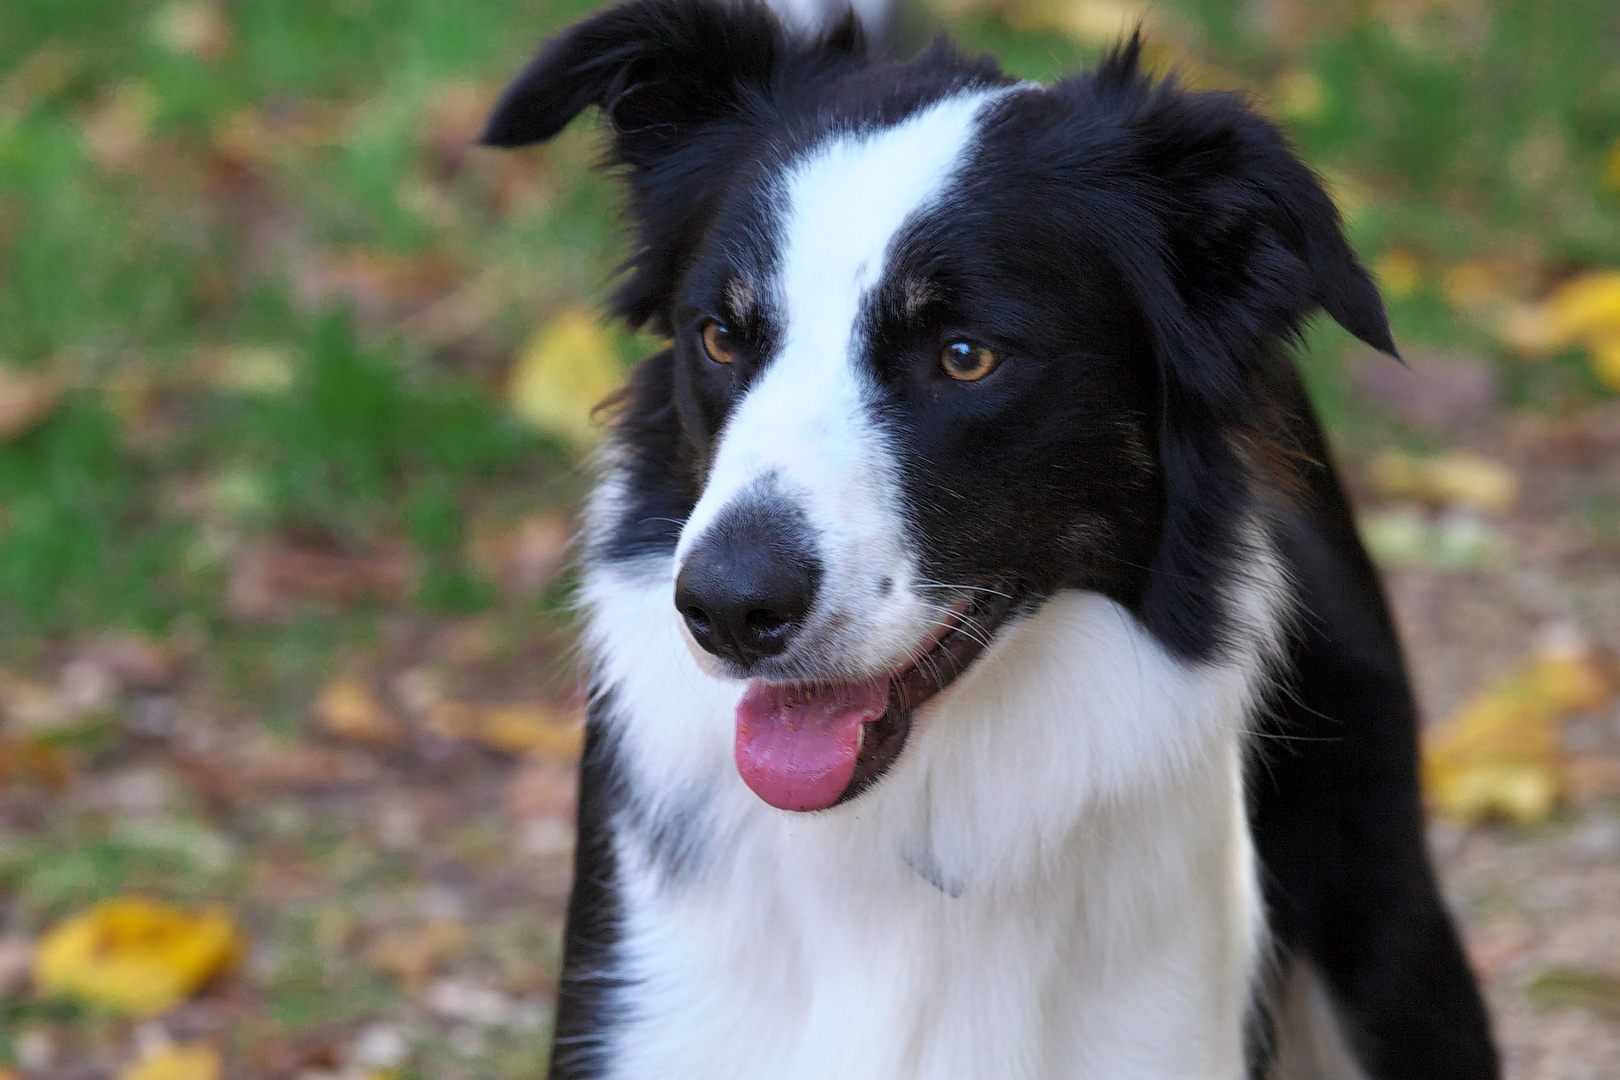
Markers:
point(1054, 880)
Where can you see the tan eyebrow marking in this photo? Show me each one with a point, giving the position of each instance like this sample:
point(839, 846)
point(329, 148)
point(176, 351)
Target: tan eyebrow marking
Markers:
point(740, 295)
point(917, 293)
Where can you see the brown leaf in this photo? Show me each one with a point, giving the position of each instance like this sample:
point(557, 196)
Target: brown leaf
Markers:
point(26, 401)
point(348, 708)
point(33, 762)
point(416, 954)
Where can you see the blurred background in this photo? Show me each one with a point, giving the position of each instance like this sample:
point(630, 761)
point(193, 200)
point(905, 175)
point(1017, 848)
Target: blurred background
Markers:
point(294, 391)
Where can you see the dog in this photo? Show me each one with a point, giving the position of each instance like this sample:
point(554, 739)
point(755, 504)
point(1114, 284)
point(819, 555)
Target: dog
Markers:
point(986, 676)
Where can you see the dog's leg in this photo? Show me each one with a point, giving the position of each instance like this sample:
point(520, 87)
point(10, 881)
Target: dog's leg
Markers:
point(1338, 819)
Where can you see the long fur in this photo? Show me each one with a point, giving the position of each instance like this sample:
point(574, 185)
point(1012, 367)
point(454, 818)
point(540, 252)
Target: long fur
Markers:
point(1166, 823)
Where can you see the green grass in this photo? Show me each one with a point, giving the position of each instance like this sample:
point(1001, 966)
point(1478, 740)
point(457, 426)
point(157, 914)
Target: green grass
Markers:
point(306, 197)
point(1476, 130)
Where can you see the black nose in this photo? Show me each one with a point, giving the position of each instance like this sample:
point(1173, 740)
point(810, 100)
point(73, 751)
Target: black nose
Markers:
point(749, 581)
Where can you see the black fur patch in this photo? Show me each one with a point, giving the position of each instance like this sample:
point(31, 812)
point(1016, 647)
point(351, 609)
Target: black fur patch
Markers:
point(1141, 257)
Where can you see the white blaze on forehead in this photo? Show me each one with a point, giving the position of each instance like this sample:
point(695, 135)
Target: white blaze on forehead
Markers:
point(805, 421)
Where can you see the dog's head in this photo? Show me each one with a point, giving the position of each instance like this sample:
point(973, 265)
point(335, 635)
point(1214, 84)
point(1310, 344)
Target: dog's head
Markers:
point(942, 344)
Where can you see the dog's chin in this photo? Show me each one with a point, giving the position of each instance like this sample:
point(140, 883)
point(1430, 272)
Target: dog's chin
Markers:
point(813, 743)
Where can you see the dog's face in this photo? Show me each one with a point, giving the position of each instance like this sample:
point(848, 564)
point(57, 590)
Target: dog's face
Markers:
point(941, 345)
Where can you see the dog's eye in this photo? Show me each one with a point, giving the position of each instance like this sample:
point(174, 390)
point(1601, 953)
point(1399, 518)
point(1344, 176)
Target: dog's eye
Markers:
point(967, 362)
point(717, 342)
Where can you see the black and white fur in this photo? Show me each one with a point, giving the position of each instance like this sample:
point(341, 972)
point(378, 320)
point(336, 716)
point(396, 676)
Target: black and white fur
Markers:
point(1166, 824)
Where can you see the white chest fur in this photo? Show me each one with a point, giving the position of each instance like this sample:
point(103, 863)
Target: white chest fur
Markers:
point(1055, 880)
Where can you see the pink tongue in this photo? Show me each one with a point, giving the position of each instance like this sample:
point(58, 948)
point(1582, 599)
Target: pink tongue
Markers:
point(796, 746)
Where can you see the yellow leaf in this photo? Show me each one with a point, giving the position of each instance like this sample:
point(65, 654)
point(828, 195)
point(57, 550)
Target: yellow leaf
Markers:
point(1457, 478)
point(565, 370)
point(350, 709)
point(1398, 273)
point(177, 1061)
point(1606, 360)
point(135, 955)
point(1610, 180)
point(414, 955)
point(1499, 753)
point(1475, 284)
point(1583, 310)
point(1299, 95)
point(260, 370)
point(1098, 23)
point(513, 729)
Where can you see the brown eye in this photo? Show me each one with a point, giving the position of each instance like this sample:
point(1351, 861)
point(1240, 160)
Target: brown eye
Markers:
point(967, 362)
point(717, 343)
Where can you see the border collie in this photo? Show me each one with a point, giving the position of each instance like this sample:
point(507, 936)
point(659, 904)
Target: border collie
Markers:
point(987, 680)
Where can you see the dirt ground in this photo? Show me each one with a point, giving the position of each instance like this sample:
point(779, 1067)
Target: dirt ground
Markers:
point(401, 885)
point(1539, 906)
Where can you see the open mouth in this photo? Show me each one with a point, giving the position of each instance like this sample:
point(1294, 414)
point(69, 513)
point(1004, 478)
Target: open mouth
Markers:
point(803, 746)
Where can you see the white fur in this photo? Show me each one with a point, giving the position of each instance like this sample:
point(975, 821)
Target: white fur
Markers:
point(1055, 879)
point(1078, 790)
point(804, 428)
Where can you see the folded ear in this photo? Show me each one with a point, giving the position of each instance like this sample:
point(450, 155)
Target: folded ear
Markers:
point(674, 79)
point(1251, 245)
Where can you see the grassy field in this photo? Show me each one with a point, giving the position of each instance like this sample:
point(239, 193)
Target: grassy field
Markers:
point(282, 614)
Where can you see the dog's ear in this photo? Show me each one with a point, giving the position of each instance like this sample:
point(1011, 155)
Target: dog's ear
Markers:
point(1230, 244)
point(654, 67)
point(1250, 243)
point(673, 79)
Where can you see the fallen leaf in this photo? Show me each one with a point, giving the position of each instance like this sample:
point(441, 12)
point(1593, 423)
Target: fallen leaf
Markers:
point(1409, 536)
point(135, 955)
point(1584, 311)
point(26, 401)
point(531, 728)
point(415, 955)
point(1398, 272)
point(259, 370)
point(191, 28)
point(1484, 284)
point(177, 1061)
point(348, 708)
point(1606, 358)
point(33, 761)
point(1455, 478)
point(1609, 182)
point(1596, 991)
point(1299, 96)
point(116, 132)
point(566, 369)
point(1499, 754)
